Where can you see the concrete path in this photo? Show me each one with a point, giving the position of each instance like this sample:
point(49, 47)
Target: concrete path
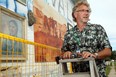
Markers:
point(112, 71)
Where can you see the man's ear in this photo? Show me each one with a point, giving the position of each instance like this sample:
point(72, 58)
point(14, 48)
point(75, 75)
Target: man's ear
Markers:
point(75, 14)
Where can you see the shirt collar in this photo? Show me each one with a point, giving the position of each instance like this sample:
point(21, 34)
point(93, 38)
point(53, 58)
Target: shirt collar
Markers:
point(86, 28)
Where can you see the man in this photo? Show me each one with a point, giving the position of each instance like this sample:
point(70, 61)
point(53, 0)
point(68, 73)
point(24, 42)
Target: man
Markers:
point(89, 39)
point(10, 47)
point(13, 28)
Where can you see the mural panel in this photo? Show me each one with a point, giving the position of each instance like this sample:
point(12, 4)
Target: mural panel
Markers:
point(49, 29)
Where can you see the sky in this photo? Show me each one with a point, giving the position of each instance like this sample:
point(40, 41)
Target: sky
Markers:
point(104, 13)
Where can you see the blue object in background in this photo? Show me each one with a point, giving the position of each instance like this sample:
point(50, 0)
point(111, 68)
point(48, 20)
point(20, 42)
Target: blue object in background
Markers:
point(3, 3)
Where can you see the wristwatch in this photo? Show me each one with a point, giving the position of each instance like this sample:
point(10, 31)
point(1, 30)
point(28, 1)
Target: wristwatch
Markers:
point(96, 54)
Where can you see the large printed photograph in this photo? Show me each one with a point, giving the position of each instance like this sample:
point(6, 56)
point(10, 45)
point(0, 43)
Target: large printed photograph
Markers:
point(49, 29)
point(12, 26)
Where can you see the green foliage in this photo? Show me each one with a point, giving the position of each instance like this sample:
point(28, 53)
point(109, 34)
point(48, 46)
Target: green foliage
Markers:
point(108, 68)
point(115, 65)
point(112, 57)
point(111, 64)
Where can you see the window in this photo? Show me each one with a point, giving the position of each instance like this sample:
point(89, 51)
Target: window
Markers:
point(22, 1)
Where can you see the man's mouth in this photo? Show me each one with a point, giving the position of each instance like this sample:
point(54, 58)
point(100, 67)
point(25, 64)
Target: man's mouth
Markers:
point(85, 17)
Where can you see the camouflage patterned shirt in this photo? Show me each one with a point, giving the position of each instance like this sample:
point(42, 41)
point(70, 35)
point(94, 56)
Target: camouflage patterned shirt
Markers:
point(93, 38)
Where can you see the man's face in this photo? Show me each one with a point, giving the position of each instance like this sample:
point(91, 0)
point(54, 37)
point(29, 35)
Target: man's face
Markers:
point(13, 29)
point(82, 14)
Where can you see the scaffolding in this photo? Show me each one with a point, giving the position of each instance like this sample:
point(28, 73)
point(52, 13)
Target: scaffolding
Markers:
point(33, 60)
point(29, 61)
point(93, 71)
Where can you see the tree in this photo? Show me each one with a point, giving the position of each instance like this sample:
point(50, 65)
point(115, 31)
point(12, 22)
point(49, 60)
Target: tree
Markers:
point(112, 57)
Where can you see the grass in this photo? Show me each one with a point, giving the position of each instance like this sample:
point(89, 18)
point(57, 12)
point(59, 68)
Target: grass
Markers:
point(108, 68)
point(115, 65)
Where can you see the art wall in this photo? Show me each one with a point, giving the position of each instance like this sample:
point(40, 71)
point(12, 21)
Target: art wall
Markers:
point(49, 28)
point(52, 20)
point(61, 8)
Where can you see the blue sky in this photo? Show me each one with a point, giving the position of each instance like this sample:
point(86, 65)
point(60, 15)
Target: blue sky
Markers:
point(104, 13)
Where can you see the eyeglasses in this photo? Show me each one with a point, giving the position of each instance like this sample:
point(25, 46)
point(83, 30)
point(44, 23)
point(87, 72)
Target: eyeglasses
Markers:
point(88, 11)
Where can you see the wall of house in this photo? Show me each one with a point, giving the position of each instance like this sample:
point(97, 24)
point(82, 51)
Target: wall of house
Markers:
point(63, 7)
point(61, 13)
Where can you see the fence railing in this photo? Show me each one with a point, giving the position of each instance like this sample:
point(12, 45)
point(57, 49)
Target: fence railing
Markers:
point(23, 58)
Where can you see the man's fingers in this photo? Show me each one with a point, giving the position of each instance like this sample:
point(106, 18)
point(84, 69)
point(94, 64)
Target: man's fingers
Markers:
point(67, 55)
point(86, 54)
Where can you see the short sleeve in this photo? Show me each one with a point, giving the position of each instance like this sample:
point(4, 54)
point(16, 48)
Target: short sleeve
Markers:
point(103, 38)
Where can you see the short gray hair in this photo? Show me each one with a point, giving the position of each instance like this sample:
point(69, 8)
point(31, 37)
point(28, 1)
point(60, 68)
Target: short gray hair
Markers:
point(80, 2)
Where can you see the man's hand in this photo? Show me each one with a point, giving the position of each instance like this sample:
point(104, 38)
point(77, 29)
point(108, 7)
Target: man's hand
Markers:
point(86, 54)
point(67, 55)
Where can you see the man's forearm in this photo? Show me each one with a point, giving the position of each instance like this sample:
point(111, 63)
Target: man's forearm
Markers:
point(104, 53)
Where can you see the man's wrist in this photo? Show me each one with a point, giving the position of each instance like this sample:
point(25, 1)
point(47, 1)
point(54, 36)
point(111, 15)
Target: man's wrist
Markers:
point(96, 55)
